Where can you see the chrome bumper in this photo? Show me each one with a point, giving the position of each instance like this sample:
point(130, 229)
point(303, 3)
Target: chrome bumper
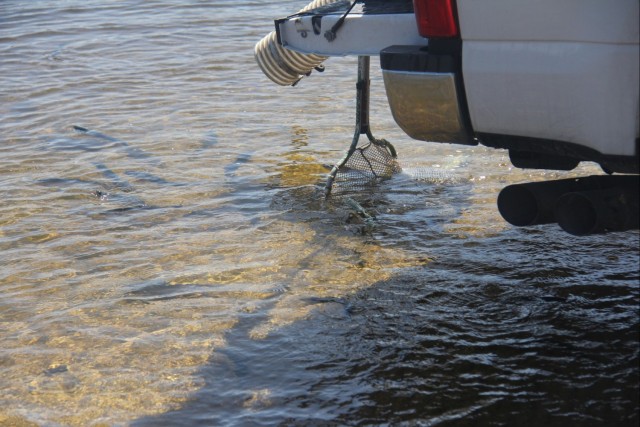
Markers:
point(424, 95)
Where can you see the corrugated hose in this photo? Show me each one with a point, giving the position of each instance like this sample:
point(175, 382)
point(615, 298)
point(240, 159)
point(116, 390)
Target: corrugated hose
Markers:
point(286, 67)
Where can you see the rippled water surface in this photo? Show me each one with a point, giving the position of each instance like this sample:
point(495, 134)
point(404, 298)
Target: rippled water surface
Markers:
point(167, 258)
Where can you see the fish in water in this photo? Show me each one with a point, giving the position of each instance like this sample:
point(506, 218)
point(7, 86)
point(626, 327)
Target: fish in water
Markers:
point(114, 179)
point(230, 169)
point(131, 151)
point(210, 139)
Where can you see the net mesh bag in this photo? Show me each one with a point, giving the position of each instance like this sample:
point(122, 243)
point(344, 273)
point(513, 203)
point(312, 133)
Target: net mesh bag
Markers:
point(366, 167)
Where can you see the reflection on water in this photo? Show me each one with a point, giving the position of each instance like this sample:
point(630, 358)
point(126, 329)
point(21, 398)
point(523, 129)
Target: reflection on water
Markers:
point(167, 257)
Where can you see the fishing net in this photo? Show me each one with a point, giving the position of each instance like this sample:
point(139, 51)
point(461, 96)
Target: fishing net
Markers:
point(358, 184)
point(367, 166)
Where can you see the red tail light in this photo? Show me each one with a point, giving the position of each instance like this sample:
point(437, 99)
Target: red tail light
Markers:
point(436, 18)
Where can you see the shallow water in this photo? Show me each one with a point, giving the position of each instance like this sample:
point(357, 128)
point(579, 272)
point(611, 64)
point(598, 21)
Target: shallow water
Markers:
point(167, 258)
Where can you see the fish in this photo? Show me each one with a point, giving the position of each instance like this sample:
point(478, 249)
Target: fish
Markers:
point(101, 138)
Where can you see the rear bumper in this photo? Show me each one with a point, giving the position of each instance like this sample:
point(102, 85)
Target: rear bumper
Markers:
point(369, 27)
point(425, 94)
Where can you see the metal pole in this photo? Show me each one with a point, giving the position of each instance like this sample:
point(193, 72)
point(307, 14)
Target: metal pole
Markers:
point(363, 87)
point(362, 117)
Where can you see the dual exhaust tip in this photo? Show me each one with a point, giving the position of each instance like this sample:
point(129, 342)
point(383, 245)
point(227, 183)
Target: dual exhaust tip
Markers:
point(580, 206)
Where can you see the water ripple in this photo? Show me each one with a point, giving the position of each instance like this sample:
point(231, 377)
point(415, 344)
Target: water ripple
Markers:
point(168, 256)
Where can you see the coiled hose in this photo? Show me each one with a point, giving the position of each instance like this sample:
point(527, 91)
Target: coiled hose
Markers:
point(286, 67)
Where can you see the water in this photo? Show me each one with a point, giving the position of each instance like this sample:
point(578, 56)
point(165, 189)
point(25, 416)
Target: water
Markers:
point(166, 257)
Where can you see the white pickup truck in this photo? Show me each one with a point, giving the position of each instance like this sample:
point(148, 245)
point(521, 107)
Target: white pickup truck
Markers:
point(554, 82)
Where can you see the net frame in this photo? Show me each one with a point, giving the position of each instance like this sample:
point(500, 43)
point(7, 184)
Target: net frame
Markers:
point(375, 160)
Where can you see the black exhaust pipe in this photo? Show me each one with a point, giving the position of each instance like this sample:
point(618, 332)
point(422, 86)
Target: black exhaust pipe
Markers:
point(598, 211)
point(535, 202)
